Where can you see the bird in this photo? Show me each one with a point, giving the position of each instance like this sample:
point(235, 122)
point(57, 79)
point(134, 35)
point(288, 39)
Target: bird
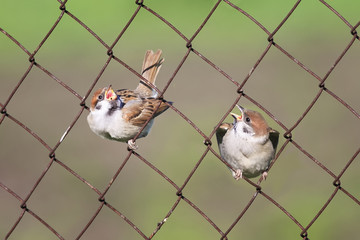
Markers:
point(120, 115)
point(248, 144)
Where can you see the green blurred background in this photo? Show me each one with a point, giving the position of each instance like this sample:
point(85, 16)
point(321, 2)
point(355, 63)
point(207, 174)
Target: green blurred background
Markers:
point(330, 132)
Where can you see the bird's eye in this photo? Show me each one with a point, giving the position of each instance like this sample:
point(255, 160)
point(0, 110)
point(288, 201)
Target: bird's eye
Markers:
point(247, 119)
point(100, 97)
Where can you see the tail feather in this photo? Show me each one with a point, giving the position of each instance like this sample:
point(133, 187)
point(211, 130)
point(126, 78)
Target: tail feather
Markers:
point(150, 69)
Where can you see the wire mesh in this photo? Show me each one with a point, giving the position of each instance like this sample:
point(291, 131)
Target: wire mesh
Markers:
point(179, 187)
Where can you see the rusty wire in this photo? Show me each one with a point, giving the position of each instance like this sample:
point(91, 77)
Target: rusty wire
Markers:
point(209, 149)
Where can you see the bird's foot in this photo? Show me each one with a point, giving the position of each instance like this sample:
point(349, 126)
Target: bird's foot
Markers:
point(132, 145)
point(237, 174)
point(263, 177)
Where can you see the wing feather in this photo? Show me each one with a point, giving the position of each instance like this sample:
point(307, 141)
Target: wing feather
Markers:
point(274, 138)
point(137, 112)
point(221, 131)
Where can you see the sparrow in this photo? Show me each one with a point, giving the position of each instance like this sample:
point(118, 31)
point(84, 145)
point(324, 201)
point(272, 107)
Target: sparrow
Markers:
point(120, 115)
point(248, 145)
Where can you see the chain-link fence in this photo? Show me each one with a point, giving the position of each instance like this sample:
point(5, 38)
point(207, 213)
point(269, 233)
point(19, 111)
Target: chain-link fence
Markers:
point(174, 176)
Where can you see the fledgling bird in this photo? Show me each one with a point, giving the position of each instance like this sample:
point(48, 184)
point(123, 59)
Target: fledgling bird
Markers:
point(120, 115)
point(248, 144)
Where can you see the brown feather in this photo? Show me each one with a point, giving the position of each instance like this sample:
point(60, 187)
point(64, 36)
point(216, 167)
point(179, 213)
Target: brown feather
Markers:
point(150, 69)
point(139, 111)
point(95, 99)
point(258, 122)
point(127, 95)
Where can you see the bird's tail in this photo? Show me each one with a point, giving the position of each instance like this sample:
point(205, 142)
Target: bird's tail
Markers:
point(150, 69)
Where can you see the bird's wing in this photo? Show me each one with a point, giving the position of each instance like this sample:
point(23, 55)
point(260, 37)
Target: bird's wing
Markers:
point(221, 131)
point(137, 112)
point(126, 95)
point(274, 138)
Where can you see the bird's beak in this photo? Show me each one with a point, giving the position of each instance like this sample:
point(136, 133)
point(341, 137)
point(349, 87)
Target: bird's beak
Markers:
point(236, 117)
point(110, 94)
point(241, 109)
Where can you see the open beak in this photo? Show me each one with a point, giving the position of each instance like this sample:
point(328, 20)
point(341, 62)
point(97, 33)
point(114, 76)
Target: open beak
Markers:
point(110, 95)
point(238, 117)
point(241, 109)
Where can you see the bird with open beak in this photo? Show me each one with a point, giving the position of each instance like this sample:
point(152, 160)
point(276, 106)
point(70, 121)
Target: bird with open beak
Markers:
point(248, 145)
point(120, 115)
